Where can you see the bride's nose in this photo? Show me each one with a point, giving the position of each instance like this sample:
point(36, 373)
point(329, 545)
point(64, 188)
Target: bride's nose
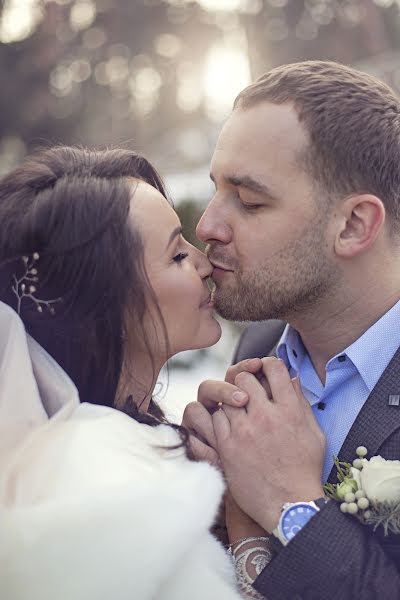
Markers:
point(203, 265)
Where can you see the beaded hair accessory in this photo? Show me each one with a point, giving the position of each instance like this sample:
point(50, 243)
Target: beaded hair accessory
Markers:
point(24, 287)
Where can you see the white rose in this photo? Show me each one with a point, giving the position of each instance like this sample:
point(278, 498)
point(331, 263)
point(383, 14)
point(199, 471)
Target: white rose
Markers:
point(380, 479)
point(356, 475)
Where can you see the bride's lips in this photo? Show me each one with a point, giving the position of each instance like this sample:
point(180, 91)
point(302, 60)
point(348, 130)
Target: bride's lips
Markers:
point(207, 303)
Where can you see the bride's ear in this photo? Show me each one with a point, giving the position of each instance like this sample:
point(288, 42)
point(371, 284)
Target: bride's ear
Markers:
point(361, 219)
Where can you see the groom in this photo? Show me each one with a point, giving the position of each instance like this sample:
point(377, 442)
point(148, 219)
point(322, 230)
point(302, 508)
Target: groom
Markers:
point(304, 227)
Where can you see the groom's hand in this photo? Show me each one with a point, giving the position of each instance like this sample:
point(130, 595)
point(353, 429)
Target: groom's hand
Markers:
point(272, 451)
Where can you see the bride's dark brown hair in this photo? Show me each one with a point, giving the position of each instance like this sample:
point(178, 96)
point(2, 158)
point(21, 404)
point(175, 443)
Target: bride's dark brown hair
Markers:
point(71, 206)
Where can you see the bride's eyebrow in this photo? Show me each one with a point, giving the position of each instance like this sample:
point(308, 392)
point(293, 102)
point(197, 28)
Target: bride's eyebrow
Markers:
point(177, 231)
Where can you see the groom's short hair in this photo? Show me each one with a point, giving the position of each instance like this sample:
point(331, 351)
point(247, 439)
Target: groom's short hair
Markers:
point(353, 123)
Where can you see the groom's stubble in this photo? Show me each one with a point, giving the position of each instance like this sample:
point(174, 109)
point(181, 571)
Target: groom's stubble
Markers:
point(289, 281)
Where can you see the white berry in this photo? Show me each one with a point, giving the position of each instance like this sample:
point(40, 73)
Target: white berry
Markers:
point(363, 503)
point(360, 494)
point(343, 507)
point(352, 508)
point(357, 463)
point(349, 497)
point(361, 451)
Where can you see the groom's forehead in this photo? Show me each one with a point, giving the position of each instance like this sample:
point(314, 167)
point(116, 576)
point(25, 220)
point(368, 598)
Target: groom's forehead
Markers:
point(263, 132)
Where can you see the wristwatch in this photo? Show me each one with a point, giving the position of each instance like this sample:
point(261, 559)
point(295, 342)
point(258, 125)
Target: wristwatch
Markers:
point(294, 516)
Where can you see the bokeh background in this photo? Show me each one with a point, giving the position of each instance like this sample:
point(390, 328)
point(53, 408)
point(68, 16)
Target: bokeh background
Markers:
point(160, 76)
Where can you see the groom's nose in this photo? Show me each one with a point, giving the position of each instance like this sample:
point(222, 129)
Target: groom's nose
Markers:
point(213, 225)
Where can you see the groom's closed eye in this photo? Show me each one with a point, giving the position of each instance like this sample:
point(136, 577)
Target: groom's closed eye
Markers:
point(253, 186)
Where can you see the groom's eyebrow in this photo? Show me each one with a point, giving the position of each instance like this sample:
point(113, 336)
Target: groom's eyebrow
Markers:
point(177, 231)
point(249, 183)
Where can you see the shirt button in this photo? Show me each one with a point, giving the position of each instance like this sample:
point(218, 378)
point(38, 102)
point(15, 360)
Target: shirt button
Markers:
point(341, 358)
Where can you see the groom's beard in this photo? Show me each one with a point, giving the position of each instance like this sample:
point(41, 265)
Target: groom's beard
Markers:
point(289, 282)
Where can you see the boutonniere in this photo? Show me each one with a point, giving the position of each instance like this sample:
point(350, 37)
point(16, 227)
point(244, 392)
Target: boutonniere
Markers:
point(369, 489)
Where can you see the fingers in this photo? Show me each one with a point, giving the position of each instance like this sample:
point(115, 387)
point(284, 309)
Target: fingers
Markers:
point(264, 382)
point(211, 393)
point(198, 420)
point(202, 451)
point(297, 386)
point(222, 426)
point(280, 383)
point(276, 386)
point(257, 393)
point(250, 365)
point(299, 393)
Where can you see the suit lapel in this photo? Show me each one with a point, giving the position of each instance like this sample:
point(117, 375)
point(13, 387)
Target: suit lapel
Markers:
point(377, 420)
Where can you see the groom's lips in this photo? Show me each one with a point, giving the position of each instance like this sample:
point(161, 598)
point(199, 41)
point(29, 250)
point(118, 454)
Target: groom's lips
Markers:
point(218, 269)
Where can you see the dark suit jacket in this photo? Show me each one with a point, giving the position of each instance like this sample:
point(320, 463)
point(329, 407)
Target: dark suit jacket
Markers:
point(334, 556)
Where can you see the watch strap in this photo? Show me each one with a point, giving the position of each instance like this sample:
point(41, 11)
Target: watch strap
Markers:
point(321, 502)
point(275, 544)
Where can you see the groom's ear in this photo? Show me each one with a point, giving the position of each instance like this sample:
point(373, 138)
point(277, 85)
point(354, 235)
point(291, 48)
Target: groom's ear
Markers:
point(360, 221)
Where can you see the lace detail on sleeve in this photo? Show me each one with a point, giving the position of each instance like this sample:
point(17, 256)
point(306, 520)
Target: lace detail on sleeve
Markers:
point(250, 557)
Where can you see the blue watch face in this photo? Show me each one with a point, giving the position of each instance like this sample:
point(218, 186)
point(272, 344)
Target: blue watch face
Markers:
point(295, 517)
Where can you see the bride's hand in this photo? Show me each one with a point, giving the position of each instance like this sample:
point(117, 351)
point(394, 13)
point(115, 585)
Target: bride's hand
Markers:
point(211, 394)
point(197, 416)
point(198, 421)
point(249, 545)
point(238, 524)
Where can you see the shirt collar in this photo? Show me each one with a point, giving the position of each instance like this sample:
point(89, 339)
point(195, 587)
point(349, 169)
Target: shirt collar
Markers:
point(373, 351)
point(291, 348)
point(370, 353)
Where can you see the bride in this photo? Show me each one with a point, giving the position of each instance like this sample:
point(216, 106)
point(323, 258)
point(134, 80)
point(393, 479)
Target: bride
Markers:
point(98, 288)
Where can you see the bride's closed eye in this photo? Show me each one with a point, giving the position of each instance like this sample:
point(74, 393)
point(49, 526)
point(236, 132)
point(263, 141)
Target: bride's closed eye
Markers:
point(180, 256)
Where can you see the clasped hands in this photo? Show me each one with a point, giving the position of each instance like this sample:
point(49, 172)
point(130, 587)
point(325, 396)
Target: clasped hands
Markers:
point(258, 427)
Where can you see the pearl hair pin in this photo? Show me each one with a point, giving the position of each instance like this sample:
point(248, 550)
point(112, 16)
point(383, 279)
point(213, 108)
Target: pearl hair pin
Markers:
point(25, 287)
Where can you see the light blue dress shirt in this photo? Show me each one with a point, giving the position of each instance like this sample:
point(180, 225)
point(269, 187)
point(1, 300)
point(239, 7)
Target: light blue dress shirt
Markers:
point(350, 377)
